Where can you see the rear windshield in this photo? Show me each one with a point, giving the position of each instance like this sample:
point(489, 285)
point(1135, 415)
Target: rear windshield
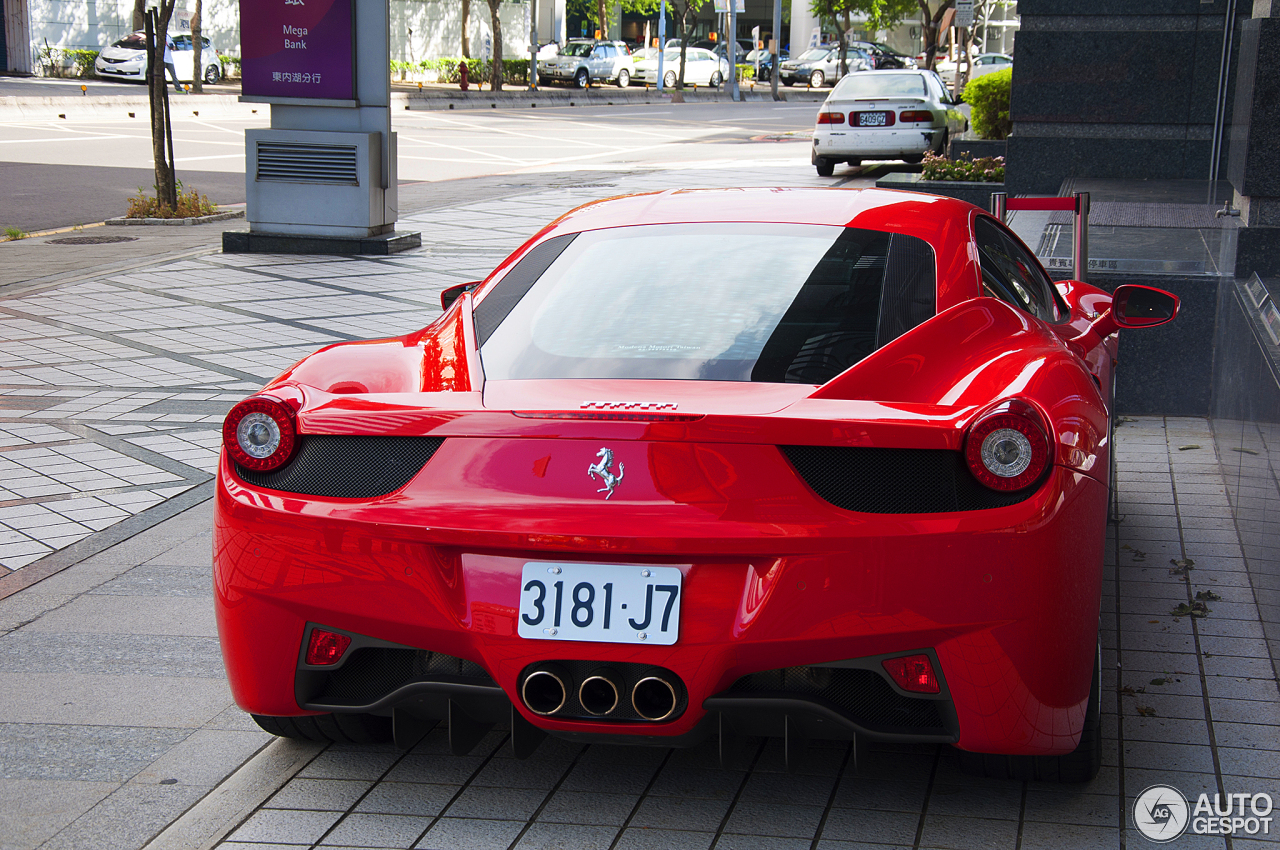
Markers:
point(866, 86)
point(778, 303)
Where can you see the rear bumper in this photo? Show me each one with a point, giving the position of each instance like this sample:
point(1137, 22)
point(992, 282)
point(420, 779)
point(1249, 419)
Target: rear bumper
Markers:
point(886, 142)
point(1006, 600)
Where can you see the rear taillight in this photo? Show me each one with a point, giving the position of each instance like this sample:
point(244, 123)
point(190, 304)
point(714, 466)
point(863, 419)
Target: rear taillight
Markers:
point(916, 115)
point(830, 117)
point(1007, 448)
point(259, 433)
point(913, 673)
point(326, 647)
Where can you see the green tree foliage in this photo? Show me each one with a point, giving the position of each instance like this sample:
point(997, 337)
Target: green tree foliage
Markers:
point(988, 99)
point(930, 20)
point(596, 11)
point(878, 14)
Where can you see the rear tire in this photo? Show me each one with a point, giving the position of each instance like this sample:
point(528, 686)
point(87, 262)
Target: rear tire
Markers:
point(338, 728)
point(212, 75)
point(825, 167)
point(581, 78)
point(914, 159)
point(716, 79)
point(1079, 765)
point(854, 162)
point(624, 78)
point(669, 80)
point(816, 79)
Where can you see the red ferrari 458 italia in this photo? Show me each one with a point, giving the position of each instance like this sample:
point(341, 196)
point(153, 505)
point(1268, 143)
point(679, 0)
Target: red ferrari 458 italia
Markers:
point(810, 463)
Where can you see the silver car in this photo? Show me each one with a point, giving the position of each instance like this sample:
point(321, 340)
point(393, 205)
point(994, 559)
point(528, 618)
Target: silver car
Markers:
point(586, 62)
point(897, 114)
point(821, 65)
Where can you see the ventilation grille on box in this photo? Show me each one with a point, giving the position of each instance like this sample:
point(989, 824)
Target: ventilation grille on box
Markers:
point(295, 162)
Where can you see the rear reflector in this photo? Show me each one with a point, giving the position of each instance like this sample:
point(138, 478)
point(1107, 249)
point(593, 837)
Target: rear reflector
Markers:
point(915, 115)
point(913, 673)
point(830, 117)
point(326, 647)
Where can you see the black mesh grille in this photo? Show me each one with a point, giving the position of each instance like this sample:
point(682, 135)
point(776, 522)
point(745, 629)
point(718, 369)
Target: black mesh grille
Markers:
point(373, 672)
point(344, 467)
point(895, 481)
point(862, 695)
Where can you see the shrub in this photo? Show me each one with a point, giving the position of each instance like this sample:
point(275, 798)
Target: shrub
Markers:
point(988, 97)
point(989, 169)
point(190, 205)
point(82, 60)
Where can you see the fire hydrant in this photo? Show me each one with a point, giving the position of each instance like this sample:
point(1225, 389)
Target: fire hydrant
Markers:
point(462, 76)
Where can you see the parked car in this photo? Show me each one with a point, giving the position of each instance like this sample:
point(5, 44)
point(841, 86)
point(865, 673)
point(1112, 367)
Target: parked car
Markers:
point(820, 65)
point(766, 62)
point(127, 59)
point(884, 115)
point(983, 63)
point(883, 57)
point(702, 67)
point(855, 488)
point(584, 62)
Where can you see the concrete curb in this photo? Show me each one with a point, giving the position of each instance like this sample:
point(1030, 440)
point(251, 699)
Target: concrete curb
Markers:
point(236, 797)
point(123, 107)
point(428, 99)
point(123, 221)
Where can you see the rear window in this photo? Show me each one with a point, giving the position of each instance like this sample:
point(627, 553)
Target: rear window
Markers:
point(867, 86)
point(775, 303)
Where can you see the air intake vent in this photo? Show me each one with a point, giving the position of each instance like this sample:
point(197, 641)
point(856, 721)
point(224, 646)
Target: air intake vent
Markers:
point(895, 481)
point(295, 162)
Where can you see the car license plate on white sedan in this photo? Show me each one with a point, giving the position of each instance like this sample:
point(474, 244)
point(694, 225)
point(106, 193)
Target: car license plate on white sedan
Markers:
point(873, 119)
point(601, 603)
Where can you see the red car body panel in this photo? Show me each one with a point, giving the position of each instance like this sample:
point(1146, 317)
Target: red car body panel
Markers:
point(774, 575)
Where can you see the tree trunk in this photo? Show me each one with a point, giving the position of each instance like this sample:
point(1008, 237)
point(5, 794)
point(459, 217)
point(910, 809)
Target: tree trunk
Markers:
point(844, 43)
point(686, 32)
point(496, 77)
point(166, 188)
point(603, 11)
point(466, 22)
point(139, 11)
point(929, 25)
point(197, 58)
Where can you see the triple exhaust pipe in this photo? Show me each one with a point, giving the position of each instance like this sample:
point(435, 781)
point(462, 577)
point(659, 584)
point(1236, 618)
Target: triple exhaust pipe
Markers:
point(546, 692)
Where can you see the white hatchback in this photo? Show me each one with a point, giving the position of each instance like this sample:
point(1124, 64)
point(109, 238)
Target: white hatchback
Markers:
point(127, 59)
point(897, 114)
point(701, 67)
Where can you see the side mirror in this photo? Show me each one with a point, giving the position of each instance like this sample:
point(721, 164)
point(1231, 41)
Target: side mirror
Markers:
point(1135, 306)
point(454, 292)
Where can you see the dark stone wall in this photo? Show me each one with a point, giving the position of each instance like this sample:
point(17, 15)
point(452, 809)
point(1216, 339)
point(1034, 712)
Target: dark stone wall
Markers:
point(1122, 90)
point(1254, 159)
point(1167, 370)
point(1246, 428)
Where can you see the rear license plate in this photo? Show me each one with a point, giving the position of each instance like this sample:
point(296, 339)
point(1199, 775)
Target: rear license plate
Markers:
point(873, 119)
point(600, 603)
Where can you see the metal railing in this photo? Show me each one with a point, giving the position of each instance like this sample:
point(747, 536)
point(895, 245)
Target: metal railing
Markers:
point(1078, 203)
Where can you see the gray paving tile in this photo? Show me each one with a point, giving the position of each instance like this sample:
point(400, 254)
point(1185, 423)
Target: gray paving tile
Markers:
point(1068, 806)
point(870, 825)
point(789, 789)
point(331, 795)
point(594, 809)
point(450, 833)
point(432, 769)
point(880, 795)
point(29, 651)
point(536, 772)
point(497, 803)
point(730, 841)
point(127, 818)
point(771, 819)
point(977, 799)
point(407, 798)
point(625, 779)
point(663, 839)
point(160, 580)
point(545, 836)
point(106, 699)
point(35, 809)
point(680, 813)
point(376, 830)
point(337, 764)
point(87, 753)
point(285, 826)
point(964, 833)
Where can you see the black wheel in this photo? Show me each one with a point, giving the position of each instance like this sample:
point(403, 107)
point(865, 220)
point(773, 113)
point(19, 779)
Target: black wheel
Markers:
point(914, 159)
point(340, 728)
point(624, 78)
point(825, 167)
point(854, 162)
point(816, 79)
point(942, 145)
point(212, 74)
point(716, 79)
point(669, 79)
point(581, 78)
point(1079, 765)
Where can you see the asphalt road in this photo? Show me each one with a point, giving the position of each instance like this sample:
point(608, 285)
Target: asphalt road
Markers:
point(82, 170)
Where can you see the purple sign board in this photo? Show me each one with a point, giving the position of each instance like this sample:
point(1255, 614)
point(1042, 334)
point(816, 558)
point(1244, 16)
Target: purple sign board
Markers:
point(297, 48)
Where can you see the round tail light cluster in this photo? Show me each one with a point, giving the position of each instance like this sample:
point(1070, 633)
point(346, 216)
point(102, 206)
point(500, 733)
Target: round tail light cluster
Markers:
point(1007, 448)
point(259, 433)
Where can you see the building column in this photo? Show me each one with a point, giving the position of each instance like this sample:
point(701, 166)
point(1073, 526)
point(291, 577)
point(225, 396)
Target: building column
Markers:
point(1253, 166)
point(802, 24)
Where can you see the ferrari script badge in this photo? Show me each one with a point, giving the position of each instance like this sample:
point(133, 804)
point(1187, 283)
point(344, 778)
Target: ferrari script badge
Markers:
point(601, 470)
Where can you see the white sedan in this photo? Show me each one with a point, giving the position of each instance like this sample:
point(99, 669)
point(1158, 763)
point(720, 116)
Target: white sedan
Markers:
point(897, 114)
point(983, 63)
point(702, 67)
point(127, 59)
